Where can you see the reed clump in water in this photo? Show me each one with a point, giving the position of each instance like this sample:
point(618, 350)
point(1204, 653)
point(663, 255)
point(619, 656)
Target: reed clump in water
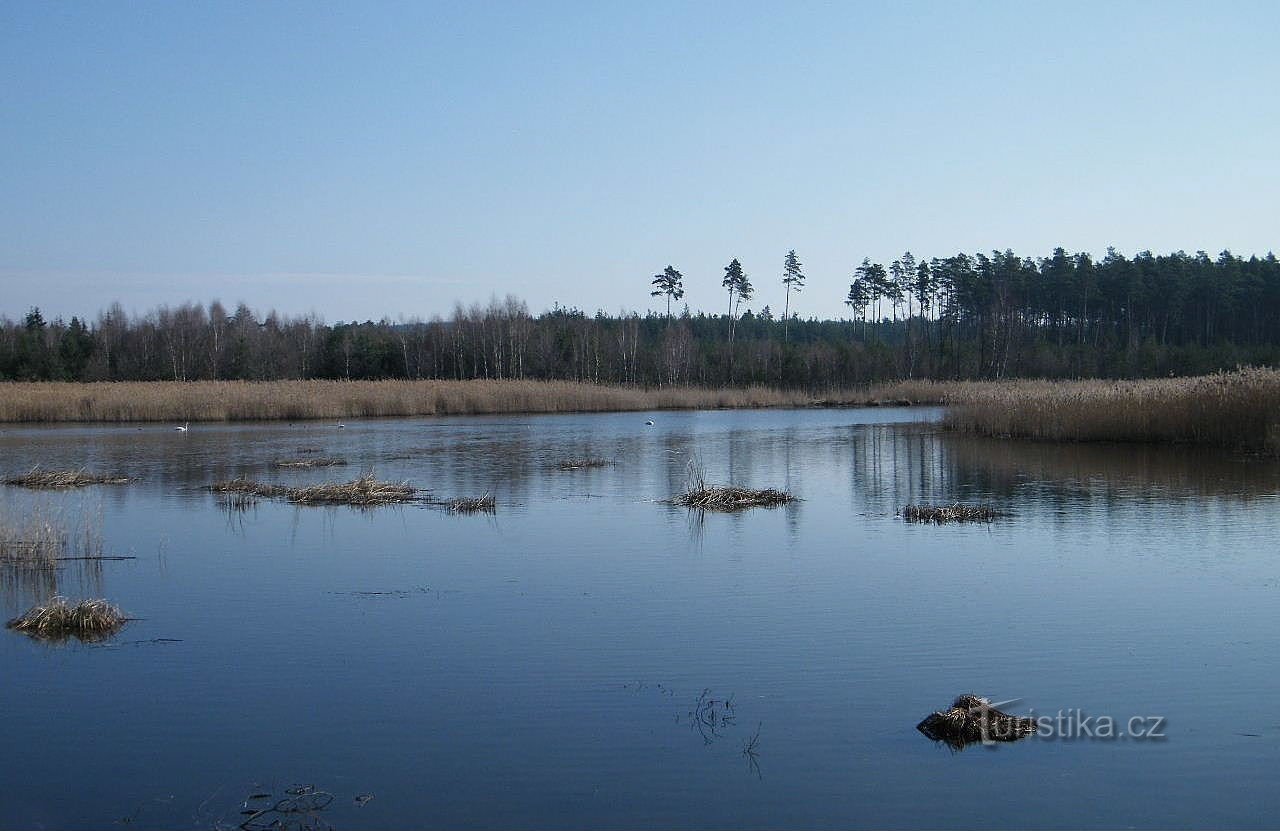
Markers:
point(59, 619)
point(309, 461)
point(363, 491)
point(942, 514)
point(41, 479)
point(41, 539)
point(971, 720)
point(583, 463)
point(472, 504)
point(704, 496)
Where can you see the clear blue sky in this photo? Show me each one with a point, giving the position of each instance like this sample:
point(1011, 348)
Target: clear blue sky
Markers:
point(370, 159)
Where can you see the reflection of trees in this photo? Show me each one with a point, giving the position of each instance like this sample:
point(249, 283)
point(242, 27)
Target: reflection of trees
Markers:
point(896, 465)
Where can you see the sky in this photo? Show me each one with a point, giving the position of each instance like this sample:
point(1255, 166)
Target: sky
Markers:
point(370, 160)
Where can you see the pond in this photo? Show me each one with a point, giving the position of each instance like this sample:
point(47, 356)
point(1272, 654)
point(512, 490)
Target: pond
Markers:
point(589, 655)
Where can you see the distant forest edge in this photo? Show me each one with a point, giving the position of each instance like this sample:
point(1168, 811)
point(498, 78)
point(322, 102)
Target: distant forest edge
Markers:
point(962, 317)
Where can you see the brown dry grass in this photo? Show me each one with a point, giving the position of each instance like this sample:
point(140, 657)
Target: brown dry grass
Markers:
point(62, 479)
point(40, 537)
point(1238, 410)
point(88, 620)
point(364, 491)
point(310, 461)
point(703, 496)
point(583, 463)
point(472, 504)
point(195, 401)
point(941, 514)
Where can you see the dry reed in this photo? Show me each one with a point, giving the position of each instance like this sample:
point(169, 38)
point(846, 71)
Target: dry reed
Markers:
point(309, 461)
point(194, 401)
point(88, 620)
point(472, 504)
point(42, 539)
point(363, 491)
point(1237, 410)
point(583, 463)
point(62, 479)
point(971, 720)
point(700, 494)
point(941, 514)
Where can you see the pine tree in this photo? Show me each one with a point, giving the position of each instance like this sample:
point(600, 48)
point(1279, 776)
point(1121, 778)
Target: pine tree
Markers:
point(793, 279)
point(671, 283)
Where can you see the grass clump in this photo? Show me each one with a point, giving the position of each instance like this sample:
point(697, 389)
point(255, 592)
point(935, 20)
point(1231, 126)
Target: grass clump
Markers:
point(363, 491)
point(62, 479)
point(971, 720)
point(57, 620)
point(583, 463)
point(941, 514)
point(309, 461)
point(366, 490)
point(704, 496)
point(472, 504)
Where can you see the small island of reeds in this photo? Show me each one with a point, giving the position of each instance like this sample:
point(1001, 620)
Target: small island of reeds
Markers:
point(39, 479)
point(364, 491)
point(942, 514)
point(60, 619)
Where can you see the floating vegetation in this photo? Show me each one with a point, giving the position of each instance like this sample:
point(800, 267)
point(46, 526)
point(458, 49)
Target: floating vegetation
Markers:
point(62, 479)
point(583, 463)
point(472, 504)
point(973, 720)
point(363, 491)
point(941, 514)
point(299, 808)
point(310, 461)
point(700, 494)
point(58, 620)
point(237, 501)
point(731, 498)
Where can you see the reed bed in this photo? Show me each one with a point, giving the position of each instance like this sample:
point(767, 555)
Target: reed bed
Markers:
point(583, 463)
point(194, 401)
point(970, 720)
point(472, 505)
point(942, 514)
point(1236, 410)
point(59, 619)
point(40, 479)
point(363, 491)
point(309, 461)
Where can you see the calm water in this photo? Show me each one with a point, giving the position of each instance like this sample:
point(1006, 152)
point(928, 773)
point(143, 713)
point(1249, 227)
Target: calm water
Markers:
point(538, 668)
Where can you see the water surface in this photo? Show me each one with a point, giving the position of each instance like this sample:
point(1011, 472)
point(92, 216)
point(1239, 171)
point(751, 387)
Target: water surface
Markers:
point(543, 667)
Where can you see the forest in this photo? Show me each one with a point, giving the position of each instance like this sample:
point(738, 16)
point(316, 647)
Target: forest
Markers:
point(980, 316)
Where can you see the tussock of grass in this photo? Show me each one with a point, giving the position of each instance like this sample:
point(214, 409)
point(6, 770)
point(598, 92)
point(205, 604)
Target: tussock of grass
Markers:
point(970, 720)
point(88, 620)
point(730, 498)
point(472, 505)
point(583, 463)
point(700, 494)
point(310, 461)
point(365, 491)
point(62, 479)
point(941, 514)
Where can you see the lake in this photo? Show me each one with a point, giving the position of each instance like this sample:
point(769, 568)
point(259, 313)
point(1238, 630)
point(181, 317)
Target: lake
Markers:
point(590, 656)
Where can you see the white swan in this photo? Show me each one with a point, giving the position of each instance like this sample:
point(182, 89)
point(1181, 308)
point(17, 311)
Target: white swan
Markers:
point(183, 428)
point(648, 423)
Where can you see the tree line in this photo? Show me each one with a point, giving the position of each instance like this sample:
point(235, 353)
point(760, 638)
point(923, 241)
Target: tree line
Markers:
point(978, 316)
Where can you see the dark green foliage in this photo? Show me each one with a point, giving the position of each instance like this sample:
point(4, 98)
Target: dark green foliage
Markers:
point(965, 316)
